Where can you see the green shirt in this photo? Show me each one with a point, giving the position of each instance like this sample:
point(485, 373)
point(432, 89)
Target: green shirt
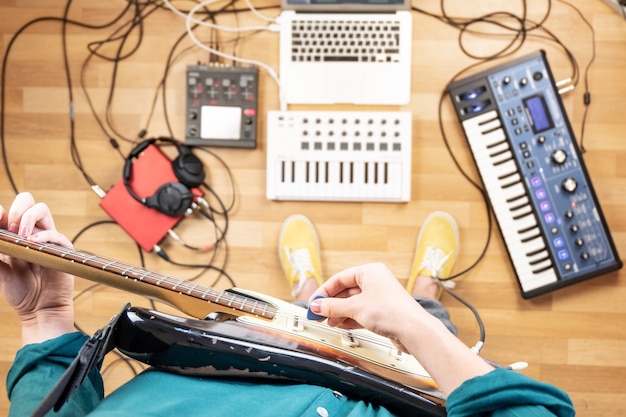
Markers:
point(37, 367)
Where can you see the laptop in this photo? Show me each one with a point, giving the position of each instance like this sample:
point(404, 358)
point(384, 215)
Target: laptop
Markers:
point(345, 51)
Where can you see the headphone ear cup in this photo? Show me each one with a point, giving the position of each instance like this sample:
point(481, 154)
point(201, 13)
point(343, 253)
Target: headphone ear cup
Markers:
point(188, 168)
point(172, 199)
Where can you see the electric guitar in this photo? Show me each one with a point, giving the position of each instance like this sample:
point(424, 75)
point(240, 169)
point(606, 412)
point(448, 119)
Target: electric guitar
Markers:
point(240, 333)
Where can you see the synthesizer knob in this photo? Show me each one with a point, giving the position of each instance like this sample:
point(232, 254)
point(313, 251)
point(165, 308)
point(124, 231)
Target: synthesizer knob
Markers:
point(569, 185)
point(506, 80)
point(523, 82)
point(574, 228)
point(559, 156)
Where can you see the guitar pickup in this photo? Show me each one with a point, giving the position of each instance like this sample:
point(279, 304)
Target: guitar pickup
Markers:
point(349, 340)
point(398, 354)
point(295, 323)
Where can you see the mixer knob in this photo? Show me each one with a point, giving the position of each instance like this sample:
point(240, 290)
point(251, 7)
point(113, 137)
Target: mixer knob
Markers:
point(559, 156)
point(569, 185)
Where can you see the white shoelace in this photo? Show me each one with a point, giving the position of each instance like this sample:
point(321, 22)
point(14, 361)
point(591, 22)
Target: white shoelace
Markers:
point(434, 258)
point(300, 260)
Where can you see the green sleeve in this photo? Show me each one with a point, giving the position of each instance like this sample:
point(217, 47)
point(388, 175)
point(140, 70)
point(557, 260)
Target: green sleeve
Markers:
point(38, 367)
point(504, 393)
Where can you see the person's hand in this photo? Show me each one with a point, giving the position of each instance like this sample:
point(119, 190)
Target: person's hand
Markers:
point(41, 297)
point(367, 296)
point(370, 296)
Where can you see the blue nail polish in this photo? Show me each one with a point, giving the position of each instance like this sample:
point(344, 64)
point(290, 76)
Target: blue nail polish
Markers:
point(311, 315)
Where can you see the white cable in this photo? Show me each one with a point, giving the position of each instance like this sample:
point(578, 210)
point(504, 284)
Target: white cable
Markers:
point(259, 15)
point(188, 21)
point(272, 27)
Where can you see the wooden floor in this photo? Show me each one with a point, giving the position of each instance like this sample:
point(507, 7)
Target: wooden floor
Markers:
point(573, 337)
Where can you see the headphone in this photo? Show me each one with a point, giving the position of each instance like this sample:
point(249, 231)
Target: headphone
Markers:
point(172, 198)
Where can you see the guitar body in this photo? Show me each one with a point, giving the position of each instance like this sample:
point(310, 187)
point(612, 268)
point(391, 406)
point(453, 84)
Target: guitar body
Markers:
point(223, 346)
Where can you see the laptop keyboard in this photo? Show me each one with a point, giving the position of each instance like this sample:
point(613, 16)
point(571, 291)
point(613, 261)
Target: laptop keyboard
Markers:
point(345, 40)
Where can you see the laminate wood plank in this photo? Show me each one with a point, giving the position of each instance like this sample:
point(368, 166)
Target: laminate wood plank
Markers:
point(571, 337)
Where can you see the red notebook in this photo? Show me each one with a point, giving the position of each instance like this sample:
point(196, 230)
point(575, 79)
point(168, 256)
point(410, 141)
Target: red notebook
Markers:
point(145, 225)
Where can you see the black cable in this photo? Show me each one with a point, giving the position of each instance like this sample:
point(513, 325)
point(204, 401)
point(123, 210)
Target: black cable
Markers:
point(587, 94)
point(479, 320)
point(121, 34)
point(3, 90)
point(222, 272)
point(64, 21)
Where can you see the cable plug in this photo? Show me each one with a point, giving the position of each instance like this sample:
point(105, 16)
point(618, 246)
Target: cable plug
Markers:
point(157, 249)
point(477, 347)
point(99, 191)
point(517, 366)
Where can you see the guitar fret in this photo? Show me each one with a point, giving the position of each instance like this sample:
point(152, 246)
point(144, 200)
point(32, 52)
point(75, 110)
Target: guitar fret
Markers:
point(204, 294)
point(126, 270)
point(142, 276)
point(106, 265)
point(84, 261)
point(64, 253)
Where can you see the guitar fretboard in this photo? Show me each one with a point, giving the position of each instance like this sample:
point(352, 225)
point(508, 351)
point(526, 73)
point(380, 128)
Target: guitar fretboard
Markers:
point(184, 295)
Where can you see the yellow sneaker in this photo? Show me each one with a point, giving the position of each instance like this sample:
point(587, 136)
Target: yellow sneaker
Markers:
point(436, 249)
point(299, 252)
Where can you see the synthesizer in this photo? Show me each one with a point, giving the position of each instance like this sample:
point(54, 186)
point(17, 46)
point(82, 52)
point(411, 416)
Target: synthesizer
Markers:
point(339, 156)
point(534, 175)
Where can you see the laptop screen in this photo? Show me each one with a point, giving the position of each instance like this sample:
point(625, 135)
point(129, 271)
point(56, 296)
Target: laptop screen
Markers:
point(345, 5)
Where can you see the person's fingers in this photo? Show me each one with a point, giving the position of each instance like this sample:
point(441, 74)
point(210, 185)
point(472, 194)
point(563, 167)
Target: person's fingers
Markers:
point(25, 216)
point(51, 236)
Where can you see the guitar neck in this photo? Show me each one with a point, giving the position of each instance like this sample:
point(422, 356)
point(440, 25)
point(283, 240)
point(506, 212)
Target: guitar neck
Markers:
point(192, 299)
